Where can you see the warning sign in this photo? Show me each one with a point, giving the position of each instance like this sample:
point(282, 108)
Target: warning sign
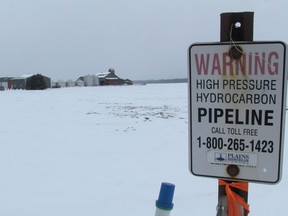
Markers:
point(237, 96)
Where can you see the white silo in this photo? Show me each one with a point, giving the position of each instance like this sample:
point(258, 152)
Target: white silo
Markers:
point(88, 80)
point(79, 83)
point(70, 83)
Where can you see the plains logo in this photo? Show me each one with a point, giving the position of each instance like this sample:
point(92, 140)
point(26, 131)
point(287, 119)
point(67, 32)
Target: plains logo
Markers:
point(245, 159)
point(232, 158)
point(220, 157)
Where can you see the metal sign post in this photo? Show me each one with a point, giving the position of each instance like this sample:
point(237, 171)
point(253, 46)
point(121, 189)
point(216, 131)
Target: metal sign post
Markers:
point(230, 30)
point(237, 102)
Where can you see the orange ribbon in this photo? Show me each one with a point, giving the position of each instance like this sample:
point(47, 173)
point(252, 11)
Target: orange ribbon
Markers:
point(234, 200)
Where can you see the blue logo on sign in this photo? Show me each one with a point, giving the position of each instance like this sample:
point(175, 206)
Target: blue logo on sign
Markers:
point(220, 157)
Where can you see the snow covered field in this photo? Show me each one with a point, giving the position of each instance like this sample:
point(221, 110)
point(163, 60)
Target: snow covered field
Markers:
point(105, 151)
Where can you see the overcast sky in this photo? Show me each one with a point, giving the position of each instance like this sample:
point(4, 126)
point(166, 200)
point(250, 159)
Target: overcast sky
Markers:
point(140, 39)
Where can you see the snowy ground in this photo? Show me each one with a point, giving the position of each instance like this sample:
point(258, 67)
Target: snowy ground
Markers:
point(105, 151)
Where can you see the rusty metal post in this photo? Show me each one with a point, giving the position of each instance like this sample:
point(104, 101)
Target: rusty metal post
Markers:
point(236, 27)
point(231, 21)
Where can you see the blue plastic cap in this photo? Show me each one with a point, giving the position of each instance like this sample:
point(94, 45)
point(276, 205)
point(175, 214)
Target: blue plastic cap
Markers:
point(166, 196)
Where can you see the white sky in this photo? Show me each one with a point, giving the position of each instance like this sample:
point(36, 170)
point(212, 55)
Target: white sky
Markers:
point(146, 39)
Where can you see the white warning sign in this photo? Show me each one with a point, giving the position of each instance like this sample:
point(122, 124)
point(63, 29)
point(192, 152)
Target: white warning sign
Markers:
point(237, 102)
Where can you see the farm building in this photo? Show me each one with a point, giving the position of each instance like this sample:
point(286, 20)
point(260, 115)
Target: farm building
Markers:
point(87, 80)
point(30, 82)
point(100, 79)
point(128, 82)
point(79, 82)
point(4, 82)
point(110, 78)
point(60, 84)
